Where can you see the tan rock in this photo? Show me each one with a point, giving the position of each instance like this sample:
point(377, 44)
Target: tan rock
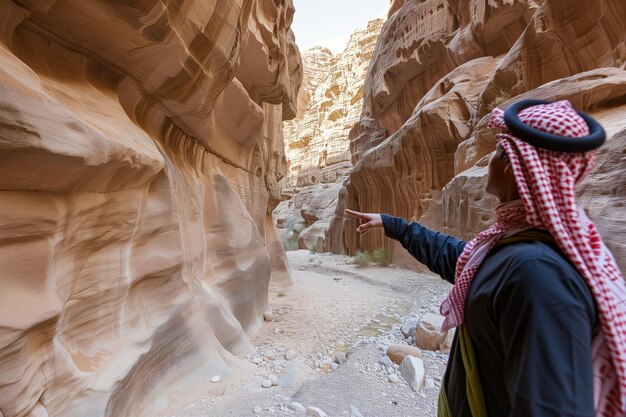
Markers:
point(421, 145)
point(317, 142)
point(397, 352)
point(448, 341)
point(140, 155)
point(428, 334)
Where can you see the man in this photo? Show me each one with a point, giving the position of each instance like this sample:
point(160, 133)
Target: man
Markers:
point(538, 300)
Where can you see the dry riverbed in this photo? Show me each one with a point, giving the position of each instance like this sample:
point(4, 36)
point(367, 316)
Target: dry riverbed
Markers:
point(323, 347)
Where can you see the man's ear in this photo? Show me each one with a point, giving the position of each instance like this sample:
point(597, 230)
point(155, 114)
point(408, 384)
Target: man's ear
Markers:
point(508, 168)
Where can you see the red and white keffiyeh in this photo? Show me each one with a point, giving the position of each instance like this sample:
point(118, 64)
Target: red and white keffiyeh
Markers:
point(546, 181)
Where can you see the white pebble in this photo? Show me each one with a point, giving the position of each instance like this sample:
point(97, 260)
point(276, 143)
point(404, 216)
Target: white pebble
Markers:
point(273, 379)
point(215, 379)
point(266, 383)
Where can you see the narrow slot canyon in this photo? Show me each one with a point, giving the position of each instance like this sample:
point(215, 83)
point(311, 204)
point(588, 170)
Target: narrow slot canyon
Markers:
point(174, 176)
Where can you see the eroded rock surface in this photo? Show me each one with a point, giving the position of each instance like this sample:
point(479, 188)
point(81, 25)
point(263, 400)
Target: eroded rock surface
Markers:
point(140, 154)
point(421, 146)
point(316, 141)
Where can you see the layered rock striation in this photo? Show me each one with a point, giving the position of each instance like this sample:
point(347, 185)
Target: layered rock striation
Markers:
point(421, 146)
point(140, 157)
point(316, 141)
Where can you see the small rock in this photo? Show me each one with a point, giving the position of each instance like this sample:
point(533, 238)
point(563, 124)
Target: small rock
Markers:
point(394, 378)
point(333, 366)
point(295, 375)
point(340, 357)
point(354, 412)
point(256, 410)
point(447, 342)
point(385, 361)
point(428, 334)
point(429, 383)
point(273, 379)
point(297, 407)
point(390, 370)
point(408, 327)
point(215, 379)
point(268, 316)
point(270, 354)
point(266, 383)
point(290, 354)
point(257, 360)
point(412, 370)
point(315, 412)
point(397, 352)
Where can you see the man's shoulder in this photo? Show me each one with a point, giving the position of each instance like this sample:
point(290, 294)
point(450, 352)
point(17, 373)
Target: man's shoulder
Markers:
point(519, 254)
point(539, 269)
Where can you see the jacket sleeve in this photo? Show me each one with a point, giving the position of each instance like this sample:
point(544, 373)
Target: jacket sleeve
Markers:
point(437, 251)
point(546, 319)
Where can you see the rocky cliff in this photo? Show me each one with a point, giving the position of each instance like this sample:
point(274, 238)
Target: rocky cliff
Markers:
point(140, 154)
point(421, 145)
point(316, 141)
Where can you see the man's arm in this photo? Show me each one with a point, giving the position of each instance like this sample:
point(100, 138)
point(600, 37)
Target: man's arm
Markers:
point(545, 316)
point(437, 251)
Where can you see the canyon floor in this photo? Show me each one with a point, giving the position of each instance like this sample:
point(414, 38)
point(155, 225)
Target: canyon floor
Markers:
point(334, 312)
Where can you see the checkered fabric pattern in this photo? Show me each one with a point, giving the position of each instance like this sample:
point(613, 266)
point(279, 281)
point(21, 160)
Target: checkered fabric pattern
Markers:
point(546, 180)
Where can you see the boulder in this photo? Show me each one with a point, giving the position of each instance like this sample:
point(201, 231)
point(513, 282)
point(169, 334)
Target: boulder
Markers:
point(428, 334)
point(408, 327)
point(397, 353)
point(413, 372)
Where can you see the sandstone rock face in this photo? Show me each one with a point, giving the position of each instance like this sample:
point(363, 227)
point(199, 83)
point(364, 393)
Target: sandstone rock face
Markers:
point(421, 146)
point(140, 154)
point(316, 141)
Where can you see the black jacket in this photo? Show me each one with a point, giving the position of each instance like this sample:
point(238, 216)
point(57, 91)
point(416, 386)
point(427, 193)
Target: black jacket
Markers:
point(530, 317)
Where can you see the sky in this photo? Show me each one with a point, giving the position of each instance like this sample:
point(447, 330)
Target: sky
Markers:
point(329, 22)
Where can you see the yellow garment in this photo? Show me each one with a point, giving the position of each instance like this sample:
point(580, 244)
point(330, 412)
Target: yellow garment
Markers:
point(473, 386)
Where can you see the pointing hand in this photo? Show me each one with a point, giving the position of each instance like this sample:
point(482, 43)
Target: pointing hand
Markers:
point(372, 220)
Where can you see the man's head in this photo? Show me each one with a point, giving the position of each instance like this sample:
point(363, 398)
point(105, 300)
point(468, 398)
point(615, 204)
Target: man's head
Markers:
point(544, 137)
point(500, 179)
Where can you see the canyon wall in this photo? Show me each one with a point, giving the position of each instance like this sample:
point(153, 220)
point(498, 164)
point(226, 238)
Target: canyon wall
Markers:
point(421, 146)
point(316, 140)
point(141, 152)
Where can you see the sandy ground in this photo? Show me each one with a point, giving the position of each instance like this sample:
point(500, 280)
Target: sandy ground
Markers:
point(333, 310)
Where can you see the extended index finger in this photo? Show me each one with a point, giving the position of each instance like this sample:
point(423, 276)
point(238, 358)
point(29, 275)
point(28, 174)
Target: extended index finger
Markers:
point(355, 214)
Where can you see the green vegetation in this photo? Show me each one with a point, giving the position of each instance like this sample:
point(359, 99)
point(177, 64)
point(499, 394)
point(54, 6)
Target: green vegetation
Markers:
point(313, 249)
point(381, 256)
point(362, 259)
